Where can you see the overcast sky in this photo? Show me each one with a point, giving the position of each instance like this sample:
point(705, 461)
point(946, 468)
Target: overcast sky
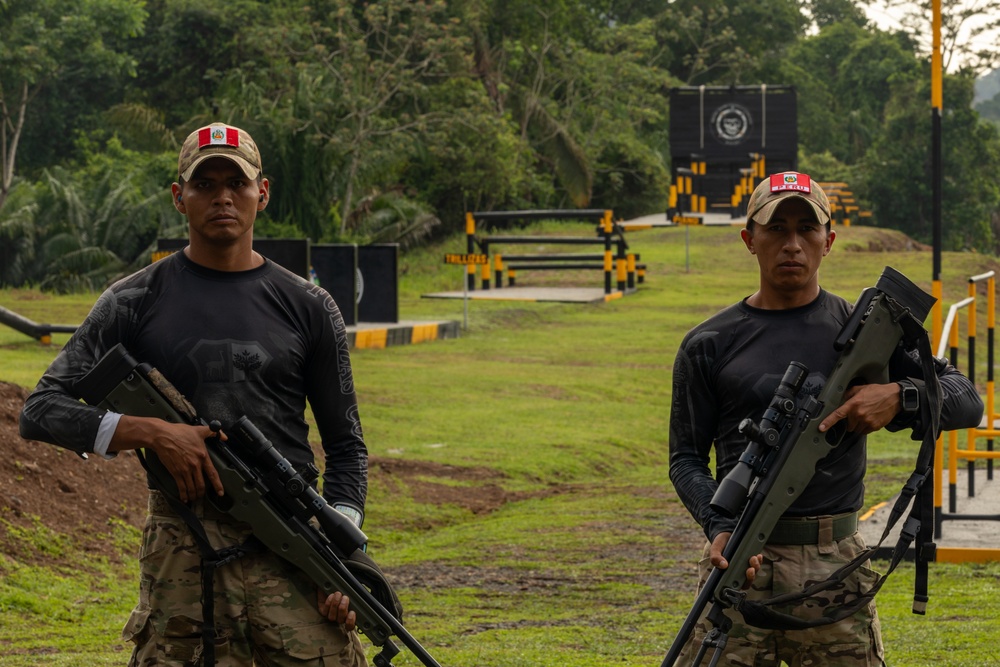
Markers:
point(889, 20)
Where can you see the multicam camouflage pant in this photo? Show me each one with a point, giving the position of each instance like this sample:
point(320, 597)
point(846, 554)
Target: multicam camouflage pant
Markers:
point(853, 642)
point(265, 609)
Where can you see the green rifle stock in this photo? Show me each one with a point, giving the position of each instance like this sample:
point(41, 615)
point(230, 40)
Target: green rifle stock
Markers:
point(262, 489)
point(786, 445)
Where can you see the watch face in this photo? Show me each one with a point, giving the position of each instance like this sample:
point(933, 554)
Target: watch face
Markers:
point(910, 398)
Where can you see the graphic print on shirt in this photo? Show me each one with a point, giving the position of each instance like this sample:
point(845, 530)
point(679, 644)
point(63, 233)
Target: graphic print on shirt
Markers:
point(228, 361)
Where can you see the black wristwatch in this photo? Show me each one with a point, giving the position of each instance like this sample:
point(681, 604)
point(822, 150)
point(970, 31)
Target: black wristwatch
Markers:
point(909, 397)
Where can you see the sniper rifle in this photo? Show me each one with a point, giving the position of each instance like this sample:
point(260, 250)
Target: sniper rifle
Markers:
point(781, 457)
point(265, 491)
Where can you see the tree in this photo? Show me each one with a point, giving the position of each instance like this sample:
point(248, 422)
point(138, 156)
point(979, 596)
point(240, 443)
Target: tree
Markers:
point(724, 42)
point(189, 48)
point(843, 76)
point(828, 12)
point(91, 232)
point(17, 235)
point(587, 98)
point(990, 109)
point(47, 42)
point(391, 217)
point(85, 224)
point(898, 167)
point(348, 86)
point(970, 31)
point(477, 160)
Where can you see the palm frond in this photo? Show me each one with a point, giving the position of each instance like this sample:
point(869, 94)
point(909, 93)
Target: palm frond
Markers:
point(141, 127)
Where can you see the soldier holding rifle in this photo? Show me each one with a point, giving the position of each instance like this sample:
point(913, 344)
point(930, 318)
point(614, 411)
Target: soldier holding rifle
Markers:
point(727, 370)
point(237, 335)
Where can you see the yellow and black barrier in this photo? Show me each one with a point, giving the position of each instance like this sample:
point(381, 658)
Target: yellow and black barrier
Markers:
point(844, 208)
point(613, 262)
point(628, 271)
point(378, 338)
point(949, 345)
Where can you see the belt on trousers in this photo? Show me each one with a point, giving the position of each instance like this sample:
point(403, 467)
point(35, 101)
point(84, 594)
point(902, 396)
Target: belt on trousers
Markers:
point(807, 530)
point(158, 504)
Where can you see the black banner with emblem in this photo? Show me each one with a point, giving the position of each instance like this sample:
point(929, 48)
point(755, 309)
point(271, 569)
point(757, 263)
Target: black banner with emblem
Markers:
point(721, 129)
point(730, 122)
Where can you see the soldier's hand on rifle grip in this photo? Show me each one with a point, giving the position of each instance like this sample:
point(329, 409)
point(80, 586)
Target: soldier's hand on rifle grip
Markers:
point(715, 555)
point(180, 447)
point(867, 408)
point(186, 458)
point(336, 608)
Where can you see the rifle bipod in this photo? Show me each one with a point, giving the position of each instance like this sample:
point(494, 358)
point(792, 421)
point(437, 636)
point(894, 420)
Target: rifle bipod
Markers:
point(717, 637)
point(383, 660)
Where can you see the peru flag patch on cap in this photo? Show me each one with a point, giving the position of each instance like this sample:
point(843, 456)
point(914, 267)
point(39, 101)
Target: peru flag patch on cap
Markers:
point(218, 135)
point(791, 181)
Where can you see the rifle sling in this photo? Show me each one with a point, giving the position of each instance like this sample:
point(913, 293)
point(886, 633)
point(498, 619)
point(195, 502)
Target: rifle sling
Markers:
point(211, 560)
point(918, 524)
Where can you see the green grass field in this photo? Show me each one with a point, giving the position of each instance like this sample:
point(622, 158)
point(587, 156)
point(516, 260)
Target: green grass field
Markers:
point(566, 407)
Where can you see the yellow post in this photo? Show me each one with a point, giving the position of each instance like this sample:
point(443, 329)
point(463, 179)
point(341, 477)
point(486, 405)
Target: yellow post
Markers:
point(990, 323)
point(470, 247)
point(937, 293)
point(937, 104)
point(485, 274)
point(938, 469)
point(971, 327)
point(972, 313)
point(953, 435)
point(497, 271)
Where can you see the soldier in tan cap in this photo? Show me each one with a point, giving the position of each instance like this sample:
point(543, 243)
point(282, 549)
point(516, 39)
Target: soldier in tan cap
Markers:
point(237, 335)
point(727, 370)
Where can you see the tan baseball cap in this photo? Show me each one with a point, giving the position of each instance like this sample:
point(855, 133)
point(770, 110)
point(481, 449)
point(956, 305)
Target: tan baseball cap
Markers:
point(219, 140)
point(776, 188)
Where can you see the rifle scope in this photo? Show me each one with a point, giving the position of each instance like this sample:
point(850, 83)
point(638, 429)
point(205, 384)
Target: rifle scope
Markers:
point(341, 531)
point(734, 488)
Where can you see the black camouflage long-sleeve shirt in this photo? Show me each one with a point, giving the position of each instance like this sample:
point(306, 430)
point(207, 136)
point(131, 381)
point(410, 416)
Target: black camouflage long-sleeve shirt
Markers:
point(728, 368)
point(258, 343)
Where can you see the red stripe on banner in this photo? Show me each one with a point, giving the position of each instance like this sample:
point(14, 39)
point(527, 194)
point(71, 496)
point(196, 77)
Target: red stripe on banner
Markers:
point(232, 136)
point(204, 137)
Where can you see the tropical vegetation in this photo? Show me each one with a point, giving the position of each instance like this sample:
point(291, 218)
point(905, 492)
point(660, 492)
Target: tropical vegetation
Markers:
point(386, 120)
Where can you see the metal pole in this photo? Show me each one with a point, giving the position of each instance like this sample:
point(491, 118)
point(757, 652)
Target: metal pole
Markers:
point(687, 248)
point(937, 103)
point(465, 305)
